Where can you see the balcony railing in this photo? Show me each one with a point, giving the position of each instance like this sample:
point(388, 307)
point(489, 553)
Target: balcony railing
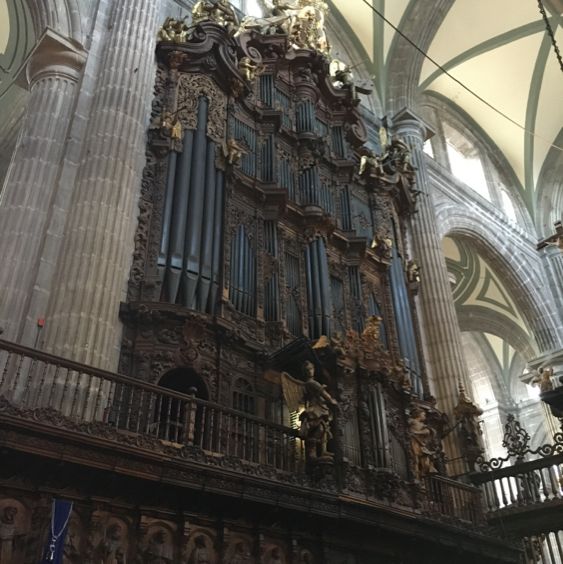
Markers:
point(523, 484)
point(525, 476)
point(48, 389)
point(454, 500)
point(32, 380)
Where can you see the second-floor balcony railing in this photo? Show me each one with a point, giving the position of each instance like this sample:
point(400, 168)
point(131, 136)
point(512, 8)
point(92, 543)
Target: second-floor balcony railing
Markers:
point(33, 380)
point(36, 386)
point(453, 500)
point(525, 477)
point(522, 484)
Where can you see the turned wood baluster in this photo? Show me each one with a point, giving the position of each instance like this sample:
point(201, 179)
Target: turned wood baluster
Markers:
point(39, 393)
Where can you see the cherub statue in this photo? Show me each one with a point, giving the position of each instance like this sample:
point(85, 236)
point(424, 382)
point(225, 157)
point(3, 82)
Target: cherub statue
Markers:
point(233, 151)
point(382, 246)
point(413, 272)
point(543, 379)
point(467, 414)
point(170, 125)
point(399, 155)
point(421, 437)
point(370, 165)
point(371, 335)
point(173, 30)
point(176, 131)
point(343, 76)
point(249, 69)
point(218, 11)
point(401, 373)
point(317, 415)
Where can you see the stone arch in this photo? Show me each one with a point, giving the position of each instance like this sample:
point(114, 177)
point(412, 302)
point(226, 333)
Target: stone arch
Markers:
point(460, 120)
point(63, 16)
point(549, 198)
point(520, 272)
point(420, 23)
point(481, 319)
point(481, 359)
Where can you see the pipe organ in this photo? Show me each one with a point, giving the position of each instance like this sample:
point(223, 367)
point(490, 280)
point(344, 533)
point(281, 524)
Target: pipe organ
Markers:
point(271, 234)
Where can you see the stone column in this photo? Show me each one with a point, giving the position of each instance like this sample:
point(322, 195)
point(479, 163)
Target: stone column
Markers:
point(82, 320)
point(51, 73)
point(440, 329)
point(552, 258)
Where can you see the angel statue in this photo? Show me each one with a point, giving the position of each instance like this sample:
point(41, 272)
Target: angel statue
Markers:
point(317, 415)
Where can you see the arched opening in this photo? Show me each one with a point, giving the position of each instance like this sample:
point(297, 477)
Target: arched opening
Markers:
point(186, 381)
point(182, 420)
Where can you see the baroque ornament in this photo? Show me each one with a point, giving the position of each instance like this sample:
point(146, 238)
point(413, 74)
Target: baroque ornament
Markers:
point(190, 88)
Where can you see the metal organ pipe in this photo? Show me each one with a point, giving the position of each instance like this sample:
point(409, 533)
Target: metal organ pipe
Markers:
point(217, 242)
point(195, 209)
point(403, 316)
point(190, 250)
point(167, 214)
point(178, 227)
point(206, 252)
point(326, 301)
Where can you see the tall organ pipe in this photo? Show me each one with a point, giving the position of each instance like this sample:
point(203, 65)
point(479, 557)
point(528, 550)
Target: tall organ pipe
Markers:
point(235, 256)
point(178, 225)
point(206, 253)
point(403, 316)
point(195, 208)
point(310, 292)
point(217, 240)
point(326, 300)
point(167, 215)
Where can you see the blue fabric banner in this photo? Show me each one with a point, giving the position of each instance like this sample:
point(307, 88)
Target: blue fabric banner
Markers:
point(58, 526)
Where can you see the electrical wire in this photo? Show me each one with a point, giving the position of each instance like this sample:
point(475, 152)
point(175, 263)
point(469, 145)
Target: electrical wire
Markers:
point(443, 70)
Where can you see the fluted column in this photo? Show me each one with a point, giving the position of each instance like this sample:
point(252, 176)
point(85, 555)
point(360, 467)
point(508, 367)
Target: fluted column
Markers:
point(440, 329)
point(51, 73)
point(82, 321)
point(552, 258)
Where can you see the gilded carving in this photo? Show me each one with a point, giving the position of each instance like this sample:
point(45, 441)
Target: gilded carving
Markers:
point(190, 88)
point(173, 30)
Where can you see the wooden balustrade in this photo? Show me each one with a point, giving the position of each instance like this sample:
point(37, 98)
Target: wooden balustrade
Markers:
point(30, 379)
point(453, 499)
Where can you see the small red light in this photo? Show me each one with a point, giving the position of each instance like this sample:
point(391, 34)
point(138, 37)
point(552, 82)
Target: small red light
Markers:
point(41, 322)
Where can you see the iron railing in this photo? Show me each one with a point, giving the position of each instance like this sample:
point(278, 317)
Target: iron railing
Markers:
point(523, 484)
point(32, 380)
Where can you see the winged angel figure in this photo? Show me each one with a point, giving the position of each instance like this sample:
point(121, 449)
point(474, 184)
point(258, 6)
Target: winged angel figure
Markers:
point(317, 415)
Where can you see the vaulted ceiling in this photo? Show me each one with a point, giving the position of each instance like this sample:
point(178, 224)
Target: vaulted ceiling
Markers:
point(498, 49)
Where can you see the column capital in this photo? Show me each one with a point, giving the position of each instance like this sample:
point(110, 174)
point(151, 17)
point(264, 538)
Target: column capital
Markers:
point(407, 122)
point(53, 55)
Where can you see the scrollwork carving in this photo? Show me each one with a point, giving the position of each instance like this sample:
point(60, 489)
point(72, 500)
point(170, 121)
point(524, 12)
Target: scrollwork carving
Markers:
point(191, 87)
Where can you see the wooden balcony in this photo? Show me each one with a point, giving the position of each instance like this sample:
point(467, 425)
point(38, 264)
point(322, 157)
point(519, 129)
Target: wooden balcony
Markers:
point(39, 386)
point(47, 403)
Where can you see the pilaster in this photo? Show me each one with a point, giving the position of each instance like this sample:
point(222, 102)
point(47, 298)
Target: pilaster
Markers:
point(51, 73)
point(82, 320)
point(444, 352)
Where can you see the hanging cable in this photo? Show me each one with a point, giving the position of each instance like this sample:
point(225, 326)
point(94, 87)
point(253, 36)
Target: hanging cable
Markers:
point(550, 33)
point(457, 81)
